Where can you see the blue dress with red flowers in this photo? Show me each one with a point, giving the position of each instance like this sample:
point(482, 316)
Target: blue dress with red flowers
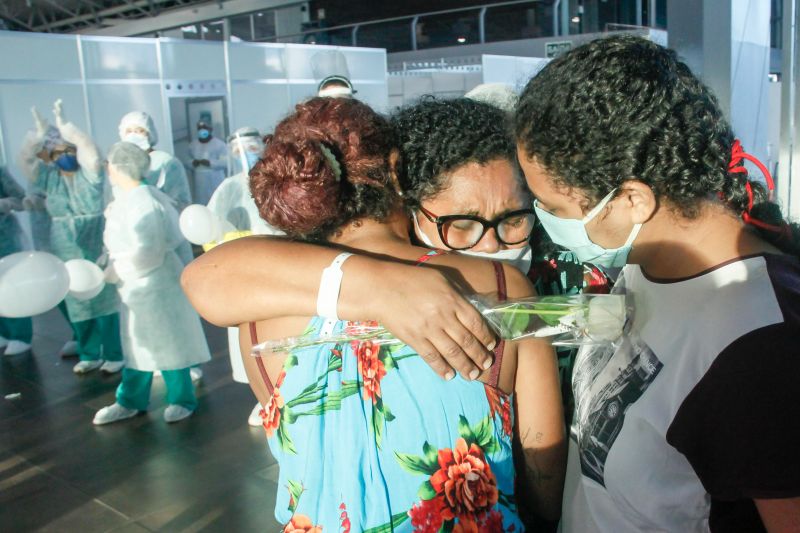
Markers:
point(368, 438)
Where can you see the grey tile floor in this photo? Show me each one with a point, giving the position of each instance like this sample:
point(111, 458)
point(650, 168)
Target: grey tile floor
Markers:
point(58, 472)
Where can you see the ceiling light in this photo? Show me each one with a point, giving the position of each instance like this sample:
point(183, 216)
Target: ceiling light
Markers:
point(576, 19)
point(462, 40)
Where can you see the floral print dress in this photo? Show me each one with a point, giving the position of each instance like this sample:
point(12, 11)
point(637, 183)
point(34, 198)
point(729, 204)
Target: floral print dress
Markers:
point(369, 438)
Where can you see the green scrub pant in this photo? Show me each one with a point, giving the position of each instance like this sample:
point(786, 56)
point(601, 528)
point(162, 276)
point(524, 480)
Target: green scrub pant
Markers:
point(98, 338)
point(62, 306)
point(134, 390)
point(17, 329)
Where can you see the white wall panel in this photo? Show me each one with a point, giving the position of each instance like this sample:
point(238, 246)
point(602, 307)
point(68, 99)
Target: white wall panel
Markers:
point(31, 56)
point(120, 58)
point(259, 105)
point(192, 60)
point(256, 61)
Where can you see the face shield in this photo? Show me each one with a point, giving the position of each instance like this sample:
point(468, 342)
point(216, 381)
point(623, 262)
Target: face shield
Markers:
point(245, 147)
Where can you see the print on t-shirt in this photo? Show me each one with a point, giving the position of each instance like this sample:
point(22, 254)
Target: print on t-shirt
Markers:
point(608, 379)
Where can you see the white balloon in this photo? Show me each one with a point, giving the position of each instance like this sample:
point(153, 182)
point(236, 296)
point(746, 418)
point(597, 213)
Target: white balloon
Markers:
point(198, 224)
point(31, 283)
point(85, 279)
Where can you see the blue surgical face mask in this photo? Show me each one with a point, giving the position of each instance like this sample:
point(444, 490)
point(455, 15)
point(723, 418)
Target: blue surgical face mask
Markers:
point(67, 162)
point(571, 233)
point(519, 258)
point(250, 158)
point(203, 134)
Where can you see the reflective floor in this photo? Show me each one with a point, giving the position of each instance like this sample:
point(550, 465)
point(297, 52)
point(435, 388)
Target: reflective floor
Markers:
point(58, 472)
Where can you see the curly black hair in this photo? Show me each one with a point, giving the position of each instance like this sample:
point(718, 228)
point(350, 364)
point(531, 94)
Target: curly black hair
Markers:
point(436, 136)
point(623, 108)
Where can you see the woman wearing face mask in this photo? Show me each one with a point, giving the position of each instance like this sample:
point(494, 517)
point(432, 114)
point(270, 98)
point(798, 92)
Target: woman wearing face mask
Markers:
point(208, 158)
point(166, 172)
point(464, 192)
point(72, 178)
point(691, 422)
point(232, 202)
point(347, 423)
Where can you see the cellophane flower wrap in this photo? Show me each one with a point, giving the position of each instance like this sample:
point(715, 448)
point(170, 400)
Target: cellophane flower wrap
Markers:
point(576, 320)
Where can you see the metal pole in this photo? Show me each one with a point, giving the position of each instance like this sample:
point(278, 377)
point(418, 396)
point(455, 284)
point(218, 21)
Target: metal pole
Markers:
point(651, 14)
point(565, 18)
point(82, 66)
point(414, 33)
point(482, 24)
point(789, 159)
point(639, 12)
point(556, 5)
point(354, 35)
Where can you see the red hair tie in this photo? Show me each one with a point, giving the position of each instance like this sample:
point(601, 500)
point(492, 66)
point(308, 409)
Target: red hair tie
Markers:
point(736, 166)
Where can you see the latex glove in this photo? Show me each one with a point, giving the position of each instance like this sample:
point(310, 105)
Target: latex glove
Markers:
point(41, 123)
point(58, 112)
point(33, 202)
point(6, 206)
point(110, 274)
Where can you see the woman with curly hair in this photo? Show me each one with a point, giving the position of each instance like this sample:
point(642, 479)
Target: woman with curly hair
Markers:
point(691, 423)
point(367, 436)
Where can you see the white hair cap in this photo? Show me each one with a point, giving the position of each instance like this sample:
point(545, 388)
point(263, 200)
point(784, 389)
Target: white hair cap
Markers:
point(142, 120)
point(497, 94)
point(129, 159)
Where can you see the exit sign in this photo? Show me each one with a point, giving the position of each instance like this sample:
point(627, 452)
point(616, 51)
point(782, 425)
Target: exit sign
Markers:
point(556, 48)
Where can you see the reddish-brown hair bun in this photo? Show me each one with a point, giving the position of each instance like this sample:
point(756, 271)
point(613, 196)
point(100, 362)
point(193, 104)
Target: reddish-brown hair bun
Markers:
point(298, 187)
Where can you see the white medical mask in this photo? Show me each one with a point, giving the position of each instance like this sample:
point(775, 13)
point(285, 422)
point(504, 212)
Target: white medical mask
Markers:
point(571, 233)
point(519, 258)
point(138, 139)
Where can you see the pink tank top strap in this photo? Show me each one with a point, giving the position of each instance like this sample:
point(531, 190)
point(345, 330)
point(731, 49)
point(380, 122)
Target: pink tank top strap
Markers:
point(261, 369)
point(500, 276)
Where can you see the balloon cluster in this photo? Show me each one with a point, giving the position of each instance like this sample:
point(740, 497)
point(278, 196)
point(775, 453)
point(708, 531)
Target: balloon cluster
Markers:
point(34, 282)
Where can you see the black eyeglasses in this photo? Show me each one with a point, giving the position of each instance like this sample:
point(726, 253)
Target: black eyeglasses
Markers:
point(460, 232)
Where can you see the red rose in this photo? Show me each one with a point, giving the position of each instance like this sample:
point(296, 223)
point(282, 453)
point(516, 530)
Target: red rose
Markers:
point(493, 523)
point(466, 482)
point(426, 516)
point(466, 526)
point(271, 416)
point(300, 523)
point(371, 369)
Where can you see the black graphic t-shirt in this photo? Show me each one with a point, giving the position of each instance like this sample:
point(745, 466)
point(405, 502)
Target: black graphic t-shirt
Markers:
point(695, 412)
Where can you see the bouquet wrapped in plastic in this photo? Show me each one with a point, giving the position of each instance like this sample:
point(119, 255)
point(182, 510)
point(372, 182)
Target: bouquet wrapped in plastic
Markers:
point(575, 320)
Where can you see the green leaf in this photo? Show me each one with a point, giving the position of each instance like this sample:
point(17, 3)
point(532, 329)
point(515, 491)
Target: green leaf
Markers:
point(378, 421)
point(448, 526)
point(283, 438)
point(395, 522)
point(484, 431)
point(291, 360)
point(295, 491)
point(388, 360)
point(387, 413)
point(426, 491)
point(414, 464)
point(288, 415)
point(431, 455)
point(464, 431)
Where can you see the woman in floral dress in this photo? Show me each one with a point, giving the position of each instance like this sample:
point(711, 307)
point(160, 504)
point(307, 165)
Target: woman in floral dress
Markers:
point(367, 436)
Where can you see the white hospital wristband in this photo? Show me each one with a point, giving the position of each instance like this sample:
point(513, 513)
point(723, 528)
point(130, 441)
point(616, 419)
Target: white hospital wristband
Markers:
point(329, 286)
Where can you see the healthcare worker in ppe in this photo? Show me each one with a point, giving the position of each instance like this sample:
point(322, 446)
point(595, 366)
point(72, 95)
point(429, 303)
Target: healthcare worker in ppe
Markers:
point(232, 202)
point(35, 203)
point(160, 330)
point(166, 172)
point(15, 333)
point(208, 156)
point(72, 178)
